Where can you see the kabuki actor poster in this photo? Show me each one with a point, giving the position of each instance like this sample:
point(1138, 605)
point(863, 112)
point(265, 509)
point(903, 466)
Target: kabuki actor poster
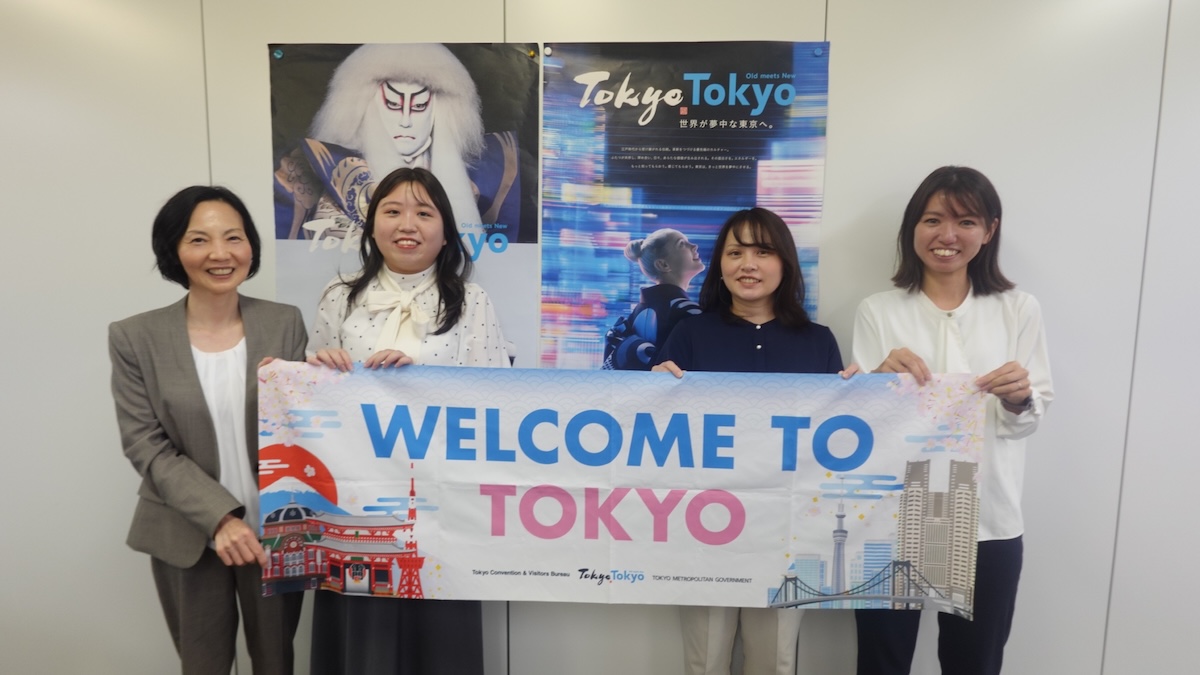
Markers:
point(646, 150)
point(343, 116)
point(733, 489)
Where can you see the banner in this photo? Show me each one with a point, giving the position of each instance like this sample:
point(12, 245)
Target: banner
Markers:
point(589, 486)
point(647, 149)
point(344, 116)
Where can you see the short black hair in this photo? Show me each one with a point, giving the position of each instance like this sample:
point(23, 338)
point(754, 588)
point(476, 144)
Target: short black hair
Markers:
point(452, 267)
point(967, 191)
point(767, 231)
point(171, 224)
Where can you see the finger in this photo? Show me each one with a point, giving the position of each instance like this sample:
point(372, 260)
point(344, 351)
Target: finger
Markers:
point(1020, 390)
point(396, 358)
point(668, 367)
point(265, 361)
point(224, 556)
point(912, 364)
point(1005, 379)
point(849, 371)
point(241, 554)
point(916, 365)
point(326, 358)
point(888, 367)
point(254, 553)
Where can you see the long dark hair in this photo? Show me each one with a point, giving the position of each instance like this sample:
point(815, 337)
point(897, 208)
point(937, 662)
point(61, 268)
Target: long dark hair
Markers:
point(966, 191)
point(766, 231)
point(452, 267)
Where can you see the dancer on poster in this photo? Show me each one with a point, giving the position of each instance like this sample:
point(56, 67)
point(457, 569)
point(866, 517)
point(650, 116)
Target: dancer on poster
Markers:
point(390, 106)
point(667, 258)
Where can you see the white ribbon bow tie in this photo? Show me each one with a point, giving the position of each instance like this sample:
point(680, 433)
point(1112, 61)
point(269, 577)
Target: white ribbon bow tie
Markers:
point(407, 325)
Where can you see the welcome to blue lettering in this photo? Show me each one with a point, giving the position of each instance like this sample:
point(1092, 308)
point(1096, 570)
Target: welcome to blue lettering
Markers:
point(672, 437)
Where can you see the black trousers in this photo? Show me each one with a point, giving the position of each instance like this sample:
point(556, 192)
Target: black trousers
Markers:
point(357, 635)
point(888, 638)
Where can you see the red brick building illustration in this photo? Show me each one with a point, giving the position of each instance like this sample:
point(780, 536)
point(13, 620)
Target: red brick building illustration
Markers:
point(356, 555)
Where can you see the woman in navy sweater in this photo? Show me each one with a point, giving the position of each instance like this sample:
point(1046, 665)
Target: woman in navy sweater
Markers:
point(753, 321)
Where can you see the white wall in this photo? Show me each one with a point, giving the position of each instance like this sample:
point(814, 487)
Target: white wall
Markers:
point(108, 106)
point(1152, 621)
point(1057, 102)
point(103, 117)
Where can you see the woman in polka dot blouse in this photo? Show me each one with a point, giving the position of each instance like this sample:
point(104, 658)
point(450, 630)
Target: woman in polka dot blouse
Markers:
point(411, 304)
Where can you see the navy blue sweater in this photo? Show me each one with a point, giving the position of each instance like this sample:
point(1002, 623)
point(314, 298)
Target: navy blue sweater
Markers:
point(706, 342)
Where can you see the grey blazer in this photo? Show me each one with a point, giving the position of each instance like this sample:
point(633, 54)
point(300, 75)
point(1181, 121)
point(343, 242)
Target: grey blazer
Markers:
point(166, 429)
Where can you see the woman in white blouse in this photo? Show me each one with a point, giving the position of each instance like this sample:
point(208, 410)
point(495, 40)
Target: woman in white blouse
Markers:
point(410, 304)
point(954, 312)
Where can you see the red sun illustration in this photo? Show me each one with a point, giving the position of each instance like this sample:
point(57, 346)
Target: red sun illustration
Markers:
point(280, 461)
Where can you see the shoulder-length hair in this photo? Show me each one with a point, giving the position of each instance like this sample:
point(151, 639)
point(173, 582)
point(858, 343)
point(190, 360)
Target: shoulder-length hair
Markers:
point(765, 230)
point(966, 191)
point(171, 224)
point(452, 267)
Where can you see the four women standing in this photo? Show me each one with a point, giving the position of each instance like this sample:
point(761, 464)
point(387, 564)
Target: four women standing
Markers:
point(184, 387)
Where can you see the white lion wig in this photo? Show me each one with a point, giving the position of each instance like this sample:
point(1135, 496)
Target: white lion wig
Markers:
point(457, 138)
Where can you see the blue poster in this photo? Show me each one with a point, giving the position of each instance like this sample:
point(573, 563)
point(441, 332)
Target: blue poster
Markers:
point(650, 147)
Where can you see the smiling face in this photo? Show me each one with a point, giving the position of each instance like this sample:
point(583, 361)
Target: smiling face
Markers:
point(214, 250)
point(408, 229)
point(752, 273)
point(946, 239)
point(406, 110)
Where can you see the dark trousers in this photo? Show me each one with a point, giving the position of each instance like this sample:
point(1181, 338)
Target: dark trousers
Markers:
point(201, 607)
point(359, 635)
point(888, 638)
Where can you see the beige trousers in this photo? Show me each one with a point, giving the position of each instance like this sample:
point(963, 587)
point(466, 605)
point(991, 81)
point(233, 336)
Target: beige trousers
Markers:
point(769, 639)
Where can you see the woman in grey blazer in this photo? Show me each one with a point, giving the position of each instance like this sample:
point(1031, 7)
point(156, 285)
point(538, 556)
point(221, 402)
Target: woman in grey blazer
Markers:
point(184, 379)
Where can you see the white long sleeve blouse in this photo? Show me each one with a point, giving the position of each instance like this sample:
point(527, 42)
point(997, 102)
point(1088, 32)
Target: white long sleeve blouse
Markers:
point(980, 335)
point(476, 340)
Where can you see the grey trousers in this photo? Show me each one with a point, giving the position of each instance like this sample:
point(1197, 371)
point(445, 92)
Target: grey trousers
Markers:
point(201, 607)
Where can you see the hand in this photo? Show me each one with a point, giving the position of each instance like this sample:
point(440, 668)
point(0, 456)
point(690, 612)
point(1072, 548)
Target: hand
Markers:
point(668, 367)
point(850, 371)
point(1009, 382)
point(903, 360)
point(332, 358)
point(237, 544)
point(265, 361)
point(388, 357)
